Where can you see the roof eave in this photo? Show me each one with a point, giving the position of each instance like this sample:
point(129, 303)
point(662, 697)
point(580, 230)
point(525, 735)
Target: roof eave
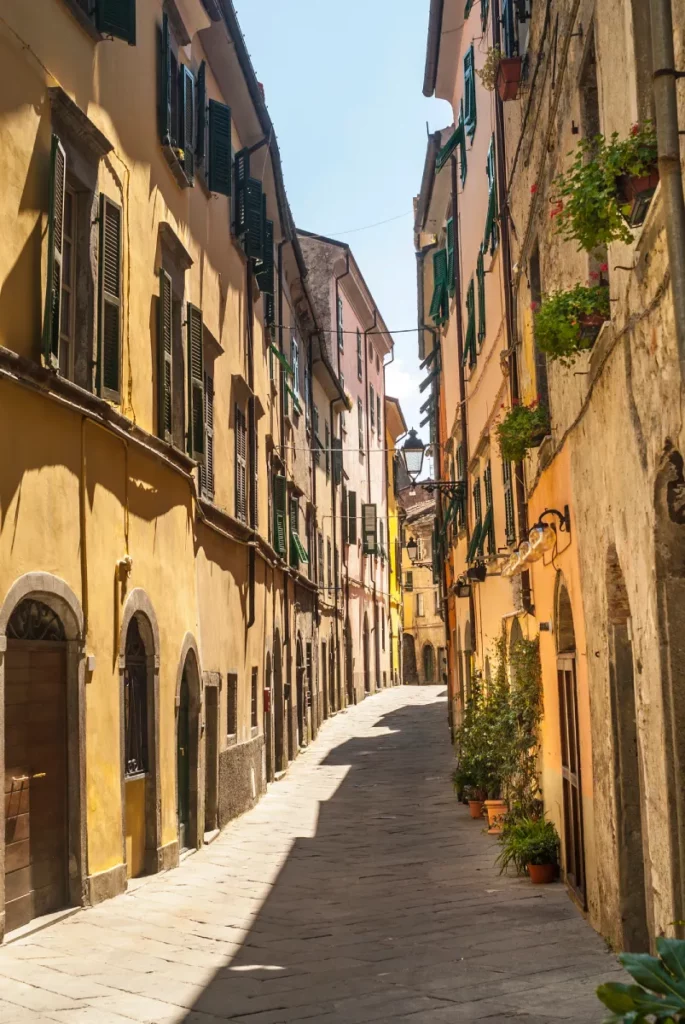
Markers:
point(433, 47)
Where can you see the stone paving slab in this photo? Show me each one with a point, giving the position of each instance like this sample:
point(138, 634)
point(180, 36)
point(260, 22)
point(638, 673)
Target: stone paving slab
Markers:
point(357, 890)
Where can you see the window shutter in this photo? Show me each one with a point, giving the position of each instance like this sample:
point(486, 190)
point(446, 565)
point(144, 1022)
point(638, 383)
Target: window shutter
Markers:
point(187, 90)
point(489, 524)
point(164, 357)
point(470, 355)
point(449, 246)
point(280, 497)
point(352, 517)
point(265, 274)
point(480, 277)
point(109, 307)
point(240, 465)
point(510, 522)
point(509, 29)
point(196, 421)
point(165, 85)
point(242, 174)
point(219, 170)
point(254, 463)
point(470, 93)
point(117, 18)
point(53, 291)
point(372, 407)
point(439, 310)
point(254, 240)
point(359, 354)
point(201, 114)
point(343, 516)
point(463, 167)
point(337, 459)
point(207, 467)
point(369, 529)
point(409, 581)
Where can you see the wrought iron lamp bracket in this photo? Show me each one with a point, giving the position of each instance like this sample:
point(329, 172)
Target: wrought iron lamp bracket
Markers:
point(563, 517)
point(454, 489)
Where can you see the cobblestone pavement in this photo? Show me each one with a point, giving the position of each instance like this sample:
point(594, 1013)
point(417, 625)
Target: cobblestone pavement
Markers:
point(357, 890)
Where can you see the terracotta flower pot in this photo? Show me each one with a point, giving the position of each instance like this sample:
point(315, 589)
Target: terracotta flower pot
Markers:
point(542, 874)
point(476, 808)
point(636, 191)
point(496, 809)
point(508, 78)
point(590, 326)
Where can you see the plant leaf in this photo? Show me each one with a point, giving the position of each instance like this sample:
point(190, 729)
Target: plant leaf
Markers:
point(618, 997)
point(672, 952)
point(648, 971)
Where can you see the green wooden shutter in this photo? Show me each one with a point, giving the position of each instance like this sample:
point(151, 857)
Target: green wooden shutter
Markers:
point(337, 459)
point(484, 11)
point(480, 277)
point(186, 84)
point(53, 290)
point(489, 524)
point(439, 310)
point(470, 354)
point(165, 84)
point(343, 516)
point(117, 18)
point(491, 236)
point(469, 93)
point(201, 114)
point(462, 144)
point(352, 516)
point(510, 523)
point(254, 220)
point(207, 467)
point(449, 245)
point(164, 357)
point(475, 541)
point(196, 399)
point(240, 465)
point(109, 304)
point(265, 273)
point(242, 175)
point(219, 172)
point(409, 581)
point(280, 500)
point(369, 529)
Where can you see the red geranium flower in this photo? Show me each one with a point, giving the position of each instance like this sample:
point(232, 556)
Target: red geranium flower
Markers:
point(533, 189)
point(534, 306)
point(594, 275)
point(635, 130)
point(604, 267)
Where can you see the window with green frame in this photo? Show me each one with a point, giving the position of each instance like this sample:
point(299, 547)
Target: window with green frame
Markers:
point(462, 144)
point(470, 354)
point(467, 8)
point(491, 235)
point(439, 310)
point(475, 544)
point(480, 278)
point(484, 11)
point(470, 92)
point(509, 519)
point(488, 532)
point(449, 247)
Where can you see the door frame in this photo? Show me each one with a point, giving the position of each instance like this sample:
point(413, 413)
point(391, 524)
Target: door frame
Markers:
point(566, 663)
point(190, 658)
point(56, 594)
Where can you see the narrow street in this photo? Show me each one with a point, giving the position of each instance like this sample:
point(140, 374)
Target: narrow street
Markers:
point(357, 890)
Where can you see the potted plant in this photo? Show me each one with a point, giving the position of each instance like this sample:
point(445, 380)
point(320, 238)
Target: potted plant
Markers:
point(496, 811)
point(659, 989)
point(523, 428)
point(607, 188)
point(465, 781)
point(488, 73)
point(509, 78)
point(532, 845)
point(568, 322)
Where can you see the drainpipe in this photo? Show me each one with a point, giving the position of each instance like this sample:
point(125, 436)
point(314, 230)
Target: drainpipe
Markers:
point(670, 173)
point(510, 306)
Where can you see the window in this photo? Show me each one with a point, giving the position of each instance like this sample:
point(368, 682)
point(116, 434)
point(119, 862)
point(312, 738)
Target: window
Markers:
point(251, 223)
point(232, 704)
point(319, 559)
point(298, 553)
point(475, 543)
point(254, 701)
point(461, 477)
point(240, 431)
point(470, 93)
point(369, 530)
point(419, 604)
point(449, 250)
point(409, 581)
point(372, 407)
point(280, 495)
point(341, 335)
point(489, 521)
point(68, 296)
point(436, 594)
point(510, 524)
point(109, 17)
point(307, 394)
point(177, 108)
point(480, 277)
point(541, 377)
point(207, 466)
point(135, 703)
point(295, 362)
point(440, 305)
point(343, 428)
point(470, 355)
point(329, 565)
point(310, 545)
point(378, 416)
point(359, 355)
point(316, 445)
point(491, 236)
point(172, 312)
point(378, 363)
point(463, 167)
point(352, 516)
point(382, 631)
point(360, 419)
point(327, 445)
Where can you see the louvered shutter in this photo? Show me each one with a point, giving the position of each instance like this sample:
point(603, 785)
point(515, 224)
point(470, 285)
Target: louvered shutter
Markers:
point(280, 501)
point(187, 133)
point(109, 306)
point(470, 354)
point(165, 84)
point(463, 166)
point(489, 524)
point(469, 93)
point(164, 360)
point(409, 581)
point(201, 114)
point(369, 529)
point(117, 18)
point(480, 277)
point(337, 459)
point(449, 246)
point(219, 174)
point(254, 490)
point(439, 310)
point(196, 419)
point(343, 516)
point(352, 516)
point(207, 467)
point(265, 273)
point(510, 522)
point(53, 290)
point(240, 466)
point(242, 174)
point(254, 220)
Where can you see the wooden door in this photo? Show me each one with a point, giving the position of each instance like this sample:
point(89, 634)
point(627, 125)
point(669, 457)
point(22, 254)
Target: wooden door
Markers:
point(211, 758)
point(574, 854)
point(36, 824)
point(183, 765)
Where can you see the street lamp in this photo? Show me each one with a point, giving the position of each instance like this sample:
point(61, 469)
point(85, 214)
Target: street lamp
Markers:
point(412, 453)
point(412, 549)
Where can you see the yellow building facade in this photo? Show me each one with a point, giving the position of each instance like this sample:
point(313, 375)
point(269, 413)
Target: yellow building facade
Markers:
point(395, 427)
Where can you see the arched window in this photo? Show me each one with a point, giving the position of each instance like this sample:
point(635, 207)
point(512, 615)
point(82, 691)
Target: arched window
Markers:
point(428, 664)
point(135, 703)
point(33, 620)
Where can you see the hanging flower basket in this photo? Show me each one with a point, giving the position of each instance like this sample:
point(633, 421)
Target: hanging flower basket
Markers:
point(568, 322)
point(524, 427)
point(509, 78)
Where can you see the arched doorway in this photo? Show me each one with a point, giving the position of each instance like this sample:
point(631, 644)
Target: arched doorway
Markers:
point(268, 720)
point(628, 780)
point(279, 708)
point(36, 764)
point(411, 674)
point(188, 698)
point(574, 853)
point(377, 645)
point(299, 682)
point(367, 655)
point(332, 673)
point(324, 678)
point(428, 663)
point(349, 663)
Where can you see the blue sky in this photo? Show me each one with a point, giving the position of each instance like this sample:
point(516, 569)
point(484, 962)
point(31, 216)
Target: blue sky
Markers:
point(343, 86)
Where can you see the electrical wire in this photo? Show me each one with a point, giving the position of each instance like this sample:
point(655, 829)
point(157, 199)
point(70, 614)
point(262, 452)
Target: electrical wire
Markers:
point(367, 227)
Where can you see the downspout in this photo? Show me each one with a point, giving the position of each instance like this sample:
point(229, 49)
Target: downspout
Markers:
point(510, 306)
point(670, 173)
